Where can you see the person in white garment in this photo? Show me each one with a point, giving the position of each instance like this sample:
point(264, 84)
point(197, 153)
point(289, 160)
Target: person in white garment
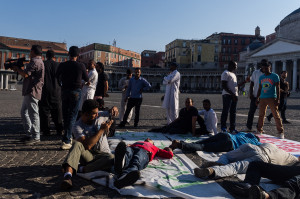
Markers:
point(171, 98)
point(88, 89)
point(123, 85)
point(210, 117)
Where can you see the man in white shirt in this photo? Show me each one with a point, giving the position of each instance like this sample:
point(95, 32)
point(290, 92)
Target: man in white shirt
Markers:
point(89, 88)
point(210, 117)
point(254, 85)
point(230, 96)
point(123, 85)
point(171, 98)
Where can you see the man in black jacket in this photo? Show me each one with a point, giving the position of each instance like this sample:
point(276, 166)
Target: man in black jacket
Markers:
point(51, 97)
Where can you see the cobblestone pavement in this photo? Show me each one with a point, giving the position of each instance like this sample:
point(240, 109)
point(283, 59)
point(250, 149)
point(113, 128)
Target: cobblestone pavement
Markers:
point(35, 171)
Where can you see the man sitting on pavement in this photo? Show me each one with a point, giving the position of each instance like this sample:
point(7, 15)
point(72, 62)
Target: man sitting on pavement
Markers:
point(91, 147)
point(186, 122)
point(237, 161)
point(222, 142)
point(210, 118)
point(287, 176)
point(129, 160)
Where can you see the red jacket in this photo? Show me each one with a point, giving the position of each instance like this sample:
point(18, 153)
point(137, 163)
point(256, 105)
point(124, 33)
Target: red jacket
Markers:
point(153, 150)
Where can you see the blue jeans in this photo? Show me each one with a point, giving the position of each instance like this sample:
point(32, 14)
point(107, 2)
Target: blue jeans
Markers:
point(251, 112)
point(30, 117)
point(217, 143)
point(70, 106)
point(228, 106)
point(136, 159)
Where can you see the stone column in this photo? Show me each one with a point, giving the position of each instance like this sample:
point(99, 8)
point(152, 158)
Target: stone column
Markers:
point(273, 66)
point(2, 80)
point(6, 81)
point(294, 74)
point(284, 65)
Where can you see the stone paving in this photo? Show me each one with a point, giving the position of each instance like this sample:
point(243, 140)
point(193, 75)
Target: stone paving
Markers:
point(35, 171)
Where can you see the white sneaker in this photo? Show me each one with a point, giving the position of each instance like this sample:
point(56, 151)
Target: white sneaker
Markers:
point(281, 135)
point(66, 146)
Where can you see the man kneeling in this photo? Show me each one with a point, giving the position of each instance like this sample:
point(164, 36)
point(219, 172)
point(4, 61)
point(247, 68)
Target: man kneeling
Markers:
point(90, 148)
point(130, 159)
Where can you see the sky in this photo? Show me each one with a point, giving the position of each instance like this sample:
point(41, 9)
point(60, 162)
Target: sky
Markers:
point(138, 25)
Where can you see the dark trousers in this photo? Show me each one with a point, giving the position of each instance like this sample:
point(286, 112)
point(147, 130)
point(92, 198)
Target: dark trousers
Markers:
point(135, 159)
point(229, 106)
point(288, 176)
point(55, 110)
point(281, 108)
point(217, 143)
point(251, 112)
point(70, 106)
point(136, 103)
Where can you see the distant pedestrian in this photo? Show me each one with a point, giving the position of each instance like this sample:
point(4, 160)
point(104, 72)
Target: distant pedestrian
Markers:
point(268, 95)
point(137, 85)
point(33, 82)
point(171, 98)
point(284, 93)
point(230, 96)
point(254, 85)
point(89, 88)
point(50, 103)
point(70, 74)
point(102, 85)
point(123, 85)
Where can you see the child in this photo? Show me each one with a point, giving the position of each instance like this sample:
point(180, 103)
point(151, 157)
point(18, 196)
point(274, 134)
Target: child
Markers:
point(129, 160)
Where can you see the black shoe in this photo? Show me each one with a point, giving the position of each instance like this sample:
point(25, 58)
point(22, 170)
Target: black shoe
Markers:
point(121, 125)
point(25, 138)
point(46, 133)
point(255, 192)
point(127, 180)
point(135, 125)
point(66, 183)
point(285, 122)
point(119, 157)
point(238, 188)
point(269, 119)
point(31, 141)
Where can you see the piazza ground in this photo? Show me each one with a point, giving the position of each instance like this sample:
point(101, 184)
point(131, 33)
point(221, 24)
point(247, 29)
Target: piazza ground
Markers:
point(35, 171)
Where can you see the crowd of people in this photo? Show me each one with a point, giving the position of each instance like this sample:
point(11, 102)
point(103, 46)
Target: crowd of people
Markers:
point(72, 95)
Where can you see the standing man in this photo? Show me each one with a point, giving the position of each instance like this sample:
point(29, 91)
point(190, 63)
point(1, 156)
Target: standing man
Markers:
point(123, 85)
point(230, 96)
point(284, 93)
point(268, 95)
point(254, 85)
point(102, 85)
point(51, 97)
point(88, 90)
point(171, 99)
point(33, 82)
point(70, 75)
point(137, 85)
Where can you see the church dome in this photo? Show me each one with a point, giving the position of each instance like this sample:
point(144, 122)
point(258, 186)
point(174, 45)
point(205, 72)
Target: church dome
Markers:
point(255, 44)
point(289, 27)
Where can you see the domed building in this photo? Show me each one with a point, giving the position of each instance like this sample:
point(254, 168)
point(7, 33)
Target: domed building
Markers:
point(283, 52)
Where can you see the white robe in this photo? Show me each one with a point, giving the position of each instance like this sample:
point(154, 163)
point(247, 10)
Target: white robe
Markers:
point(171, 99)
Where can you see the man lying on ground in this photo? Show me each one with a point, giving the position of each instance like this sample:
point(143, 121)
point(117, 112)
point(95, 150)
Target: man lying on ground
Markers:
point(287, 176)
point(90, 148)
point(237, 161)
point(222, 142)
point(129, 160)
point(186, 122)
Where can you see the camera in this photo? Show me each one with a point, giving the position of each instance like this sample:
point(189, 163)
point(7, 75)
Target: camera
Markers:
point(10, 63)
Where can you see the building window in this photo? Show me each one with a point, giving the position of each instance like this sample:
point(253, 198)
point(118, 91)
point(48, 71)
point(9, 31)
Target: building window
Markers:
point(229, 41)
point(223, 58)
point(216, 49)
point(224, 50)
point(229, 50)
point(199, 49)
point(199, 58)
point(243, 41)
point(216, 58)
point(224, 41)
point(235, 50)
point(235, 41)
point(184, 44)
